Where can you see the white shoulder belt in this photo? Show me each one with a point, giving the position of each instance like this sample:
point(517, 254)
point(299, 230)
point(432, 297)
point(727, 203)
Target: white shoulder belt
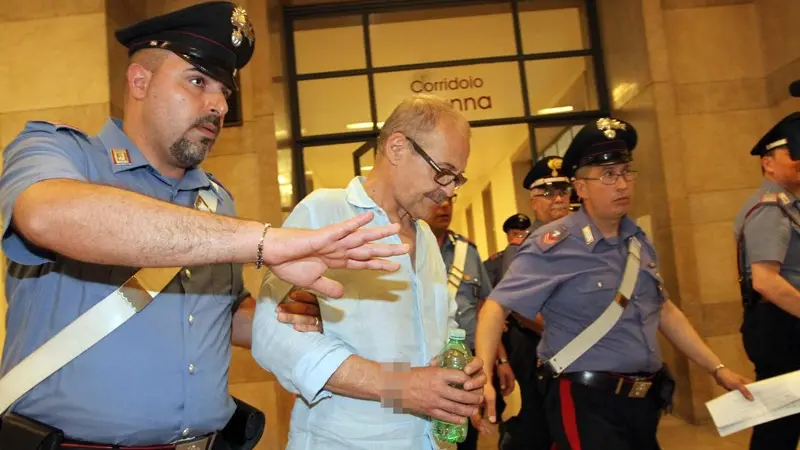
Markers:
point(93, 325)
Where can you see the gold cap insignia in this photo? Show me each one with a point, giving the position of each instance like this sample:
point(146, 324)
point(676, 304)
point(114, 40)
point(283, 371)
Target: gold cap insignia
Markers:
point(554, 165)
point(120, 156)
point(609, 127)
point(244, 29)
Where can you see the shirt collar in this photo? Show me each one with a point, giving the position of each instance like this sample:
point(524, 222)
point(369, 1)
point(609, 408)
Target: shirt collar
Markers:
point(124, 155)
point(585, 229)
point(357, 196)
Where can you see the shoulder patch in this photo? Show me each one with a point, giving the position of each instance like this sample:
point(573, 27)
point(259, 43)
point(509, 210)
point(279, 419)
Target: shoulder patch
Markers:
point(550, 239)
point(769, 197)
point(218, 185)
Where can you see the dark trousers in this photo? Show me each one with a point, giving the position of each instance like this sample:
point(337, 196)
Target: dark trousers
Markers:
point(527, 430)
point(772, 340)
point(585, 418)
point(471, 441)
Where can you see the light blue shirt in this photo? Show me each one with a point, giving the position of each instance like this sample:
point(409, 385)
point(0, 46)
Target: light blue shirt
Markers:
point(134, 387)
point(385, 317)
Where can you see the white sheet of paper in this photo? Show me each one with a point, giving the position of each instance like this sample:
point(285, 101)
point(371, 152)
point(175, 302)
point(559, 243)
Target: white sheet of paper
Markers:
point(774, 398)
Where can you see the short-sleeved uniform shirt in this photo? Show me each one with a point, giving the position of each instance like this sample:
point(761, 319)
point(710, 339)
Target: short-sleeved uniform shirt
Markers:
point(570, 273)
point(163, 374)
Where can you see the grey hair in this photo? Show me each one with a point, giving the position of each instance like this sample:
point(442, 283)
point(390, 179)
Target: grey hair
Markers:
point(420, 114)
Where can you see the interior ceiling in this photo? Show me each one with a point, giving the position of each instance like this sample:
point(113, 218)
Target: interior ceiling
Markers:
point(332, 104)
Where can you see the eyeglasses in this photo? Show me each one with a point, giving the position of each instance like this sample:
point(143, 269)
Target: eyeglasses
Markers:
point(610, 178)
point(554, 192)
point(443, 176)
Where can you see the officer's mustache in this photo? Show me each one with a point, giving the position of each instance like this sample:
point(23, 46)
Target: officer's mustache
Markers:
point(210, 119)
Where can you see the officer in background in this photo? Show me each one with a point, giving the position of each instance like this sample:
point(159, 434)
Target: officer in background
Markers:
point(768, 244)
point(516, 229)
point(469, 282)
point(81, 214)
point(607, 390)
point(550, 190)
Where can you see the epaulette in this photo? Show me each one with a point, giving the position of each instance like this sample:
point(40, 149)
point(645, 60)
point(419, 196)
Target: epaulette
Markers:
point(43, 125)
point(550, 239)
point(496, 255)
point(217, 185)
point(769, 197)
point(462, 238)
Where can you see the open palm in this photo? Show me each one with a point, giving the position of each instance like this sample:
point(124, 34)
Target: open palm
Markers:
point(301, 256)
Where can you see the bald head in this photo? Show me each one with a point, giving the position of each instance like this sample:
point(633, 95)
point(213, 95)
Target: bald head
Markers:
point(421, 115)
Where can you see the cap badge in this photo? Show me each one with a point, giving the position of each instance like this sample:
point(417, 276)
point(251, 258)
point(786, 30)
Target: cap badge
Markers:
point(120, 157)
point(243, 27)
point(609, 127)
point(554, 165)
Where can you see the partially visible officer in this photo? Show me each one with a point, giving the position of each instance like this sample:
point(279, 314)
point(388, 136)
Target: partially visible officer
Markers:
point(550, 192)
point(606, 390)
point(516, 229)
point(469, 282)
point(768, 244)
point(81, 214)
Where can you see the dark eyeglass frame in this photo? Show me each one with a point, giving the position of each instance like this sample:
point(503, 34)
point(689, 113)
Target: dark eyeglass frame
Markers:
point(611, 179)
point(442, 175)
point(550, 192)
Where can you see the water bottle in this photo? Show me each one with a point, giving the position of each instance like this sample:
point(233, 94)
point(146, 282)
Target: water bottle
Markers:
point(455, 355)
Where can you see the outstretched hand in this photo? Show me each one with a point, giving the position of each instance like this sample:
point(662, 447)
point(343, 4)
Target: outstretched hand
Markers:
point(301, 256)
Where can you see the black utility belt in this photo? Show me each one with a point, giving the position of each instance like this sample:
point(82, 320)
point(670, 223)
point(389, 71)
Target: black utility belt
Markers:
point(242, 432)
point(618, 384)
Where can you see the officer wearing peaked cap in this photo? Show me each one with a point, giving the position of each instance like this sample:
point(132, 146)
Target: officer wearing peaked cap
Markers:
point(96, 226)
point(217, 38)
point(516, 228)
point(594, 274)
point(767, 232)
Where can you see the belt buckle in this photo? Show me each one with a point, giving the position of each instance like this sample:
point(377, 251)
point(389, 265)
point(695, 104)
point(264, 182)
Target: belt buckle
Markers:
point(204, 443)
point(640, 388)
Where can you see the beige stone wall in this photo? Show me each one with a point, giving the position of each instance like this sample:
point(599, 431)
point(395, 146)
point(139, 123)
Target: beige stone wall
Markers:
point(71, 87)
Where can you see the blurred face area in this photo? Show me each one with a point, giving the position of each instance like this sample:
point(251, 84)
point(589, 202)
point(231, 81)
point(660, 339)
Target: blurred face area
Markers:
point(607, 190)
point(779, 166)
point(183, 111)
point(428, 167)
point(550, 203)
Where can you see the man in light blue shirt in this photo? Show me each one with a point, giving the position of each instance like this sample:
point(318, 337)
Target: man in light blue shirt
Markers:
point(367, 382)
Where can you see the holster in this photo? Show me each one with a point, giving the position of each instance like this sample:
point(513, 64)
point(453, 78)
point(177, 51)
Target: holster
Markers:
point(21, 433)
point(665, 383)
point(244, 430)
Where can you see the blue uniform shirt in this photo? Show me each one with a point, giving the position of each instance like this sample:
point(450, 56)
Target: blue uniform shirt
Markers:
point(135, 386)
point(572, 281)
point(474, 287)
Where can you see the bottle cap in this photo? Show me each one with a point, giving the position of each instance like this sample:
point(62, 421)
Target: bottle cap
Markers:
point(458, 334)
